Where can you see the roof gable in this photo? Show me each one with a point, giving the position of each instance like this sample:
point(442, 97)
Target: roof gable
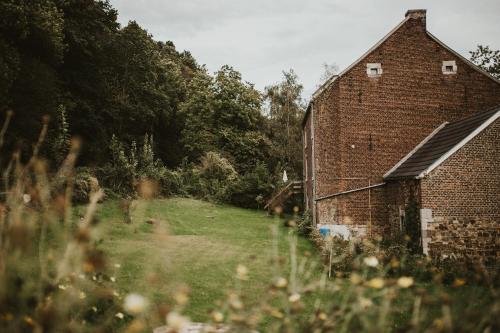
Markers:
point(441, 144)
point(333, 78)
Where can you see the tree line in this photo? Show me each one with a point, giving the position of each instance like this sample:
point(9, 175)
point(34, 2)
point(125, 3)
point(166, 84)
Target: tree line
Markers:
point(120, 91)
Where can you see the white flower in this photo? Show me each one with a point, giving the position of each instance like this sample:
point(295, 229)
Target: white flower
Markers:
point(281, 283)
point(294, 298)
point(176, 321)
point(62, 287)
point(26, 198)
point(82, 295)
point(120, 315)
point(365, 302)
point(118, 265)
point(371, 261)
point(242, 272)
point(113, 279)
point(135, 304)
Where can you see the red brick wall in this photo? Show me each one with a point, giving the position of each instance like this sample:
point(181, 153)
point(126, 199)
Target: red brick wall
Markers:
point(467, 184)
point(397, 110)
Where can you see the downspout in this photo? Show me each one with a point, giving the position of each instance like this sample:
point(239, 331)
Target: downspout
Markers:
point(313, 165)
point(304, 167)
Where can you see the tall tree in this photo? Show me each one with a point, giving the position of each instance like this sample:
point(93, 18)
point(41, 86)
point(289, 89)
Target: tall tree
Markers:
point(285, 112)
point(223, 114)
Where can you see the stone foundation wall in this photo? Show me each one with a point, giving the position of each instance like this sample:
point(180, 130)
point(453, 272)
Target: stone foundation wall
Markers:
point(470, 239)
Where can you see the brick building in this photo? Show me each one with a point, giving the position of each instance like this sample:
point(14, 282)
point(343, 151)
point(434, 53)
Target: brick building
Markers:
point(363, 121)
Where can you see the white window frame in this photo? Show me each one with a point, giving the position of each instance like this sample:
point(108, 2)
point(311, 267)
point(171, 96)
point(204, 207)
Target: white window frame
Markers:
point(371, 66)
point(449, 63)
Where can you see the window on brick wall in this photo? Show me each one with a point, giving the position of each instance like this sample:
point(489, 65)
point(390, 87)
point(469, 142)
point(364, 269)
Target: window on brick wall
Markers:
point(374, 69)
point(449, 67)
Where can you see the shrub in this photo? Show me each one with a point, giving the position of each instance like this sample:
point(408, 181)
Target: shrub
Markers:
point(217, 177)
point(304, 225)
point(85, 184)
point(251, 189)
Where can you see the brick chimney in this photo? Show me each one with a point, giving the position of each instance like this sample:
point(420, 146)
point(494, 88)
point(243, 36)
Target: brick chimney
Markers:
point(417, 14)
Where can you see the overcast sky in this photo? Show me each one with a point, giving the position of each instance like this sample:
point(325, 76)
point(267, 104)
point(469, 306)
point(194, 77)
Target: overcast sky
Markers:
point(260, 38)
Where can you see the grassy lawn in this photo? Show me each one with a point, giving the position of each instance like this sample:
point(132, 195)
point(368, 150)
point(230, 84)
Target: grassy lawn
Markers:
point(198, 245)
point(194, 244)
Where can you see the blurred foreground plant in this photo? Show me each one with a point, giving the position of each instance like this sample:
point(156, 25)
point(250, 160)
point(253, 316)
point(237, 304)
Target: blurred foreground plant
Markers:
point(53, 278)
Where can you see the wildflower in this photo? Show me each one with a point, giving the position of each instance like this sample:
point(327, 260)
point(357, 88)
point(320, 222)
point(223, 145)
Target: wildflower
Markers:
point(181, 297)
point(294, 298)
point(26, 198)
point(322, 316)
point(242, 272)
point(135, 304)
point(376, 283)
point(118, 265)
point(355, 278)
point(371, 261)
point(277, 313)
point(281, 283)
point(82, 295)
point(120, 315)
point(116, 294)
point(405, 282)
point(176, 321)
point(458, 282)
point(235, 302)
point(217, 316)
point(94, 309)
point(365, 302)
point(394, 263)
point(62, 287)
point(28, 320)
point(113, 279)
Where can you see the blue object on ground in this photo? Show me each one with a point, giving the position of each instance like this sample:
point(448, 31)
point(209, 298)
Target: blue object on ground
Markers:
point(324, 231)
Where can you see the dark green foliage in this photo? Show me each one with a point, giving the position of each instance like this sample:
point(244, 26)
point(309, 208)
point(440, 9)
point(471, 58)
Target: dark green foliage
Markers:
point(250, 189)
point(217, 177)
point(487, 59)
point(85, 183)
point(116, 88)
point(412, 228)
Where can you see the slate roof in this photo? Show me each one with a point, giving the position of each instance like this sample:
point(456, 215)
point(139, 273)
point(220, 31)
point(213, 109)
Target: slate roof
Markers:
point(441, 144)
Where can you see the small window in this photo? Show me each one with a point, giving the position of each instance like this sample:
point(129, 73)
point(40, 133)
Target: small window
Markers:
point(449, 67)
point(374, 69)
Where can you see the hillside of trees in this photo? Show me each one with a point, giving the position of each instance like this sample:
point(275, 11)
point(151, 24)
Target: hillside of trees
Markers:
point(140, 107)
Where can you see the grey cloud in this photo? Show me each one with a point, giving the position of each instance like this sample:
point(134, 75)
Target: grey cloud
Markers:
point(263, 37)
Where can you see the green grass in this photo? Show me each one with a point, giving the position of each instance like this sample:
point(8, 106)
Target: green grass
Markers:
point(198, 245)
point(195, 244)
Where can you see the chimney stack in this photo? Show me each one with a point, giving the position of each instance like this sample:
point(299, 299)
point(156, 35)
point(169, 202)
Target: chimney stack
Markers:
point(417, 14)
